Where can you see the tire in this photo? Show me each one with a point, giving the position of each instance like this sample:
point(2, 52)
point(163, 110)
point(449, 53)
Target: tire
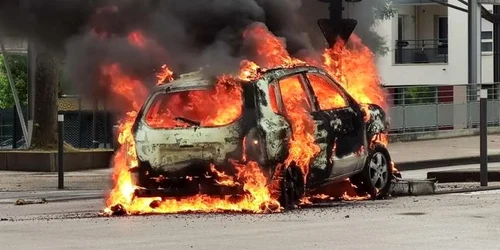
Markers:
point(292, 187)
point(376, 176)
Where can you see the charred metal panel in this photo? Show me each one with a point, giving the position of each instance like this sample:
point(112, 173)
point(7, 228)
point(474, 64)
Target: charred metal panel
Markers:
point(175, 148)
point(276, 130)
point(377, 122)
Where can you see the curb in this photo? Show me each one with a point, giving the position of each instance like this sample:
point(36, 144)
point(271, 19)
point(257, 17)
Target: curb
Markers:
point(462, 176)
point(468, 190)
point(428, 188)
point(53, 197)
point(54, 200)
point(409, 187)
point(417, 165)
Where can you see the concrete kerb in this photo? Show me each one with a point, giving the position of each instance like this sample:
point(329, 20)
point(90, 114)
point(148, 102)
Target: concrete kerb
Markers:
point(52, 197)
point(417, 165)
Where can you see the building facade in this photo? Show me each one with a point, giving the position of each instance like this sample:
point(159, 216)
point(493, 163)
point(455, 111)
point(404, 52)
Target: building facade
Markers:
point(429, 45)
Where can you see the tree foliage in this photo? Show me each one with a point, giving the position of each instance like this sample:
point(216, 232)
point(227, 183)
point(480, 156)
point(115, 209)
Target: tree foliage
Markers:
point(19, 69)
point(382, 12)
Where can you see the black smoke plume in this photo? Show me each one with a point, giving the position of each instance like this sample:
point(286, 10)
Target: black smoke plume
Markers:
point(185, 35)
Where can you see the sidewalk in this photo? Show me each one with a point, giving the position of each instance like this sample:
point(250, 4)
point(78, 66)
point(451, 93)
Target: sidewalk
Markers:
point(32, 181)
point(442, 152)
point(406, 155)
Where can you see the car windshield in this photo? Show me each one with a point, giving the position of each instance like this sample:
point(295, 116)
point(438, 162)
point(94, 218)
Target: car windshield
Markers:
point(217, 105)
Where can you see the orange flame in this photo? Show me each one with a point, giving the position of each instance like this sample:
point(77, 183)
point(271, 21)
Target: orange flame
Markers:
point(355, 69)
point(225, 100)
point(257, 199)
point(165, 75)
point(353, 66)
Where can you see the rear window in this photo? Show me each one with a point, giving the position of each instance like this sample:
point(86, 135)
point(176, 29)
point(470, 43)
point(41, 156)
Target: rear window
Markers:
point(219, 105)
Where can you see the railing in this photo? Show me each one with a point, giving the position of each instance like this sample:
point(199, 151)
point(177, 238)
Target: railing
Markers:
point(421, 51)
point(439, 107)
point(78, 122)
point(416, 1)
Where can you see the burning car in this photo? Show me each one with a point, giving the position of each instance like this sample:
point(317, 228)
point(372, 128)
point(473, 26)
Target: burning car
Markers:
point(190, 133)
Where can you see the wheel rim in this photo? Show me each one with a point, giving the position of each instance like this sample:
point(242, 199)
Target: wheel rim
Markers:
point(378, 170)
point(293, 186)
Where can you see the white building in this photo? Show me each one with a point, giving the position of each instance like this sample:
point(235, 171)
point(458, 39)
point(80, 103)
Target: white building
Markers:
point(434, 45)
point(429, 46)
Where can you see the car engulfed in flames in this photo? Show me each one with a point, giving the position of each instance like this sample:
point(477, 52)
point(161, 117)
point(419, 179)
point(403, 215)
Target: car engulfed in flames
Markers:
point(269, 138)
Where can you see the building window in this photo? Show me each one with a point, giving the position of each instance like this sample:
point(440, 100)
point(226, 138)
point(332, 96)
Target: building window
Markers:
point(443, 29)
point(442, 35)
point(487, 35)
point(487, 42)
point(486, 47)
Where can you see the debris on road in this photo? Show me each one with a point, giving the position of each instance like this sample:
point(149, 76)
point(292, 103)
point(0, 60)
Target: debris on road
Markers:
point(21, 202)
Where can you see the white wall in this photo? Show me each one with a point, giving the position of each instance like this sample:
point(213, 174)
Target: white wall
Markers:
point(409, 74)
point(427, 18)
point(409, 24)
point(455, 71)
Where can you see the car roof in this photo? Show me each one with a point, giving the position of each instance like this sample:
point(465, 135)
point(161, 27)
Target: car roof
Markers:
point(197, 80)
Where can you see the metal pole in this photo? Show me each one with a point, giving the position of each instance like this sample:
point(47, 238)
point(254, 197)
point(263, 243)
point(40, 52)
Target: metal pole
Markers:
point(31, 89)
point(473, 45)
point(483, 145)
point(14, 93)
point(496, 47)
point(60, 151)
point(14, 128)
point(106, 125)
point(95, 143)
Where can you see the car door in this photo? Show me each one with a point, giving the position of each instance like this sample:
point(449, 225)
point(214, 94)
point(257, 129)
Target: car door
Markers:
point(345, 125)
point(308, 125)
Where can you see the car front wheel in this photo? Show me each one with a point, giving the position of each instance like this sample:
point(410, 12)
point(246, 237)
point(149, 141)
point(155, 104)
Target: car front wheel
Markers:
point(292, 187)
point(376, 176)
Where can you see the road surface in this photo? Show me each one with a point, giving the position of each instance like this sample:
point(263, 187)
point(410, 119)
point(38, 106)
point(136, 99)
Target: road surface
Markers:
point(452, 221)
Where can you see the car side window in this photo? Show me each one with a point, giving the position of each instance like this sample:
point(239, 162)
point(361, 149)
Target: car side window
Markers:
point(293, 93)
point(327, 94)
point(273, 98)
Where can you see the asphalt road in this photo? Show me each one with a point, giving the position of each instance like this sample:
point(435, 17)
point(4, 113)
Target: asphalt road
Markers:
point(453, 221)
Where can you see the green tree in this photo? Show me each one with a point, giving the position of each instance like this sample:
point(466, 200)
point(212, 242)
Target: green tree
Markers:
point(420, 95)
point(19, 69)
point(47, 80)
point(382, 12)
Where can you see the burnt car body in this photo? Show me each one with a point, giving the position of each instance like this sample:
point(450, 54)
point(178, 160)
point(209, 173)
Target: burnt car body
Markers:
point(172, 159)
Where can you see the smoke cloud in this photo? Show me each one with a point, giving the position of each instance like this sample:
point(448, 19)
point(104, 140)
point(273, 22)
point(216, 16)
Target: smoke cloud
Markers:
point(185, 35)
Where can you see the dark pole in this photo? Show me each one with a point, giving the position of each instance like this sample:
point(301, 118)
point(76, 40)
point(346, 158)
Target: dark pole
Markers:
point(80, 122)
point(335, 10)
point(106, 125)
point(60, 151)
point(483, 137)
point(14, 128)
point(95, 143)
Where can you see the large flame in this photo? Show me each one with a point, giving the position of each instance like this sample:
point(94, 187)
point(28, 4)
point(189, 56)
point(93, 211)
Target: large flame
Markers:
point(353, 66)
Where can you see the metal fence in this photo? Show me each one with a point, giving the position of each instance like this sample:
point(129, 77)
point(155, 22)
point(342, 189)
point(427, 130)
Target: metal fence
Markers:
point(439, 107)
point(78, 129)
point(411, 109)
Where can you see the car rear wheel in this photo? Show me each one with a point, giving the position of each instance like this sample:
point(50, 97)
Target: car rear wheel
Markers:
point(376, 177)
point(292, 187)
